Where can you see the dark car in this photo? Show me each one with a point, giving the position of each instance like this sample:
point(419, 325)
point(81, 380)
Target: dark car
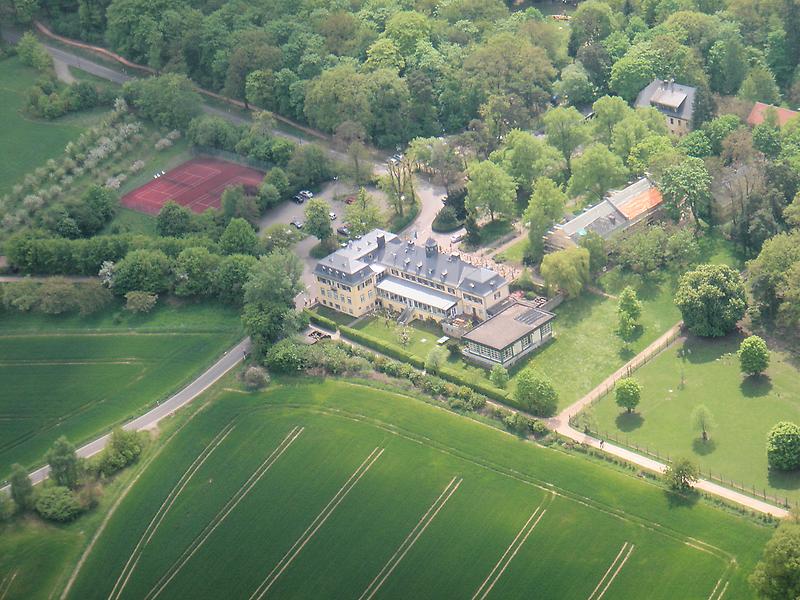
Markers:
point(298, 199)
point(350, 200)
point(343, 230)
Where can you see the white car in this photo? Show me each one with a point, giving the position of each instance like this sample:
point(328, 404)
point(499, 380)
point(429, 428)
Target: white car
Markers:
point(458, 236)
point(297, 223)
point(332, 215)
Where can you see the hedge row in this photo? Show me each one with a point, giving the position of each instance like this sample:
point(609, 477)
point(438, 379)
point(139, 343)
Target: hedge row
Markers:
point(325, 322)
point(447, 374)
point(383, 347)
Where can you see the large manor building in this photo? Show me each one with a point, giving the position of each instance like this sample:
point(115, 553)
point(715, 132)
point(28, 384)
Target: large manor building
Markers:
point(382, 270)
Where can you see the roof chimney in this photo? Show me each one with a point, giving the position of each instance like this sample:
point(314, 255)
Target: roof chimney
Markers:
point(431, 248)
point(381, 240)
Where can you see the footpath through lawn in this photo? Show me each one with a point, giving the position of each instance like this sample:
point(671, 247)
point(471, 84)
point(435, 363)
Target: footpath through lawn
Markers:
point(744, 409)
point(380, 495)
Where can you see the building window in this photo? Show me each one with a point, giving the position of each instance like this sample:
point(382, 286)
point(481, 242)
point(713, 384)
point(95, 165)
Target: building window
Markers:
point(671, 121)
point(546, 329)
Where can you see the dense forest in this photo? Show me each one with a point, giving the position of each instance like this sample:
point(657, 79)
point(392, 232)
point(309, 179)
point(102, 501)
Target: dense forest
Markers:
point(405, 68)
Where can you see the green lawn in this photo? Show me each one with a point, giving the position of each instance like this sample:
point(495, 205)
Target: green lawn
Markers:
point(78, 377)
point(131, 221)
point(490, 232)
point(281, 530)
point(514, 253)
point(28, 143)
point(745, 409)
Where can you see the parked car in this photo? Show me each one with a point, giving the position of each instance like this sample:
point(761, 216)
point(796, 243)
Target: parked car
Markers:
point(458, 236)
point(306, 194)
point(343, 230)
point(350, 200)
point(297, 223)
point(396, 158)
point(332, 215)
point(298, 199)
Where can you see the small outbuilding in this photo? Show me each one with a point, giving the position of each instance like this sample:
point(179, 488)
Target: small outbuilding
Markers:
point(509, 335)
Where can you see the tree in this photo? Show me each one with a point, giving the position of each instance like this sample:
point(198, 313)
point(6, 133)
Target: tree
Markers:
point(268, 323)
point(64, 463)
point(275, 279)
point(598, 250)
point(527, 158)
point(239, 237)
point(536, 392)
point(407, 29)
point(21, 488)
point(566, 130)
point(499, 376)
point(591, 23)
point(628, 393)
point(574, 85)
point(711, 299)
point(596, 171)
point(626, 329)
point(231, 275)
point(7, 508)
point(566, 270)
point(783, 446)
point(546, 206)
point(753, 355)
point(350, 136)
point(142, 270)
point(308, 166)
point(608, 111)
point(490, 190)
point(777, 574)
point(687, 185)
point(760, 86)
point(194, 272)
point(168, 100)
point(318, 221)
point(681, 475)
point(435, 358)
point(236, 203)
point(255, 378)
point(173, 220)
point(629, 303)
point(140, 302)
point(703, 421)
point(32, 53)
point(364, 214)
point(338, 94)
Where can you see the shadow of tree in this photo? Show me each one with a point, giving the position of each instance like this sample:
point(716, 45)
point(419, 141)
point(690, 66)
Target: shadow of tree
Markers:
point(629, 421)
point(756, 386)
point(703, 448)
point(681, 500)
point(784, 480)
point(625, 353)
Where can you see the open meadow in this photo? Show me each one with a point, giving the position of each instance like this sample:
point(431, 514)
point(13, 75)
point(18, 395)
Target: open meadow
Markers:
point(744, 409)
point(27, 143)
point(78, 377)
point(337, 489)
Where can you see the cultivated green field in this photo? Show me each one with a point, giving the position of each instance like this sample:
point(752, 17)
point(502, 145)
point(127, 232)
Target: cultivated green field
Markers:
point(745, 409)
point(64, 376)
point(28, 143)
point(338, 490)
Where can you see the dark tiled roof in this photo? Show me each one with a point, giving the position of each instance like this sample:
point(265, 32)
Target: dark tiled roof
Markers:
point(672, 99)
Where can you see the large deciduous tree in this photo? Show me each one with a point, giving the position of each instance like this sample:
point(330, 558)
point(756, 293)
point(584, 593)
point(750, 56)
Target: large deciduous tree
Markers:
point(536, 392)
point(318, 223)
point(783, 446)
point(711, 299)
point(64, 463)
point(628, 393)
point(777, 574)
point(545, 207)
point(490, 190)
point(567, 270)
point(687, 185)
point(596, 171)
point(753, 355)
point(566, 130)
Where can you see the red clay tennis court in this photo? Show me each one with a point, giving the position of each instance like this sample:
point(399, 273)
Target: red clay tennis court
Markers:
point(197, 184)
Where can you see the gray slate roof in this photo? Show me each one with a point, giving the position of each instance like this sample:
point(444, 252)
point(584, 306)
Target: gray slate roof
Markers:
point(350, 265)
point(672, 99)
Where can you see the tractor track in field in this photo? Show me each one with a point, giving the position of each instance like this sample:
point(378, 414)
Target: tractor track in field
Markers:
point(411, 539)
point(161, 513)
point(315, 525)
point(608, 578)
point(176, 567)
point(513, 548)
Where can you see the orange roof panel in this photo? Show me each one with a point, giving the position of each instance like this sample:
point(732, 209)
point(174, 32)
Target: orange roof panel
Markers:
point(641, 203)
point(758, 114)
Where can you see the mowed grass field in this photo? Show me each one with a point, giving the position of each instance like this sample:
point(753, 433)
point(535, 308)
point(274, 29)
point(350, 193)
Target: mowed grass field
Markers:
point(338, 490)
point(744, 409)
point(28, 143)
point(61, 380)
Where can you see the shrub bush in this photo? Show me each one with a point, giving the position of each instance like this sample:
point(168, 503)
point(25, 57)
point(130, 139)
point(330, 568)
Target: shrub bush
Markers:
point(783, 446)
point(325, 322)
point(58, 504)
point(255, 378)
point(446, 220)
